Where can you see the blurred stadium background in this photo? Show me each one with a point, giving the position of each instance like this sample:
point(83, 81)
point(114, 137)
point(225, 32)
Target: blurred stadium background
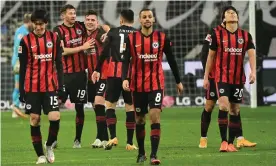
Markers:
point(186, 22)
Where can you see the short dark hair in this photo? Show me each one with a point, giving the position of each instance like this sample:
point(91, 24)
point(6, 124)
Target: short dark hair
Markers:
point(128, 15)
point(27, 17)
point(228, 8)
point(146, 9)
point(40, 14)
point(65, 7)
point(91, 12)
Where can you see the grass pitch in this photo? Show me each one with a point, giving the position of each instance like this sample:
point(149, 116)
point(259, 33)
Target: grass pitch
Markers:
point(178, 146)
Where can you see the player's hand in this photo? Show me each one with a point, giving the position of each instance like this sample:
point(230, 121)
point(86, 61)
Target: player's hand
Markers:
point(89, 44)
point(22, 97)
point(104, 37)
point(126, 85)
point(62, 94)
point(180, 88)
point(206, 84)
point(95, 77)
point(252, 78)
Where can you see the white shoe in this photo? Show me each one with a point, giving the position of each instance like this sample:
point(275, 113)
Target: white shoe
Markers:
point(97, 143)
point(49, 153)
point(104, 143)
point(41, 160)
point(77, 144)
point(14, 114)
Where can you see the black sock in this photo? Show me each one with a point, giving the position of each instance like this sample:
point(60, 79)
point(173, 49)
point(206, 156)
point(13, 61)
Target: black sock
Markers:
point(111, 121)
point(234, 127)
point(79, 121)
point(100, 120)
point(53, 132)
point(239, 132)
point(205, 122)
point(140, 137)
point(154, 138)
point(105, 132)
point(130, 126)
point(223, 123)
point(37, 140)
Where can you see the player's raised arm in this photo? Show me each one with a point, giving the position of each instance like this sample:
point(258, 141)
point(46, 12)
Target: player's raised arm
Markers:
point(70, 51)
point(210, 60)
point(252, 59)
point(104, 55)
point(173, 64)
point(125, 67)
point(23, 54)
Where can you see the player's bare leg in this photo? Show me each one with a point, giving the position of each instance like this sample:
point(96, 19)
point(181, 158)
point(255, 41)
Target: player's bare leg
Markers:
point(140, 137)
point(54, 119)
point(37, 138)
point(101, 120)
point(223, 121)
point(205, 122)
point(154, 115)
point(130, 126)
point(111, 121)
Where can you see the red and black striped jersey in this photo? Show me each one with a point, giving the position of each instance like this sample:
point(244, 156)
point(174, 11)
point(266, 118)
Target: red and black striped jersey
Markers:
point(93, 54)
point(146, 54)
point(40, 63)
point(205, 52)
point(72, 37)
point(230, 51)
point(114, 49)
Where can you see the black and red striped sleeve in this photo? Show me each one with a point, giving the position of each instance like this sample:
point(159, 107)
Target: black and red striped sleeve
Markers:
point(126, 60)
point(213, 42)
point(22, 53)
point(171, 59)
point(250, 44)
point(106, 51)
point(58, 62)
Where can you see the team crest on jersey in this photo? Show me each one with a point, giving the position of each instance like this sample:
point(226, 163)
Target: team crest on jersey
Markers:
point(221, 91)
point(155, 44)
point(49, 44)
point(20, 49)
point(240, 40)
point(79, 31)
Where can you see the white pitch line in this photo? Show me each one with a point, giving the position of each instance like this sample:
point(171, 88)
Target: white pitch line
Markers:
point(172, 158)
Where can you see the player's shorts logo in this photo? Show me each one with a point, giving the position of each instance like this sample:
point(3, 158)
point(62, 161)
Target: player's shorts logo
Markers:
point(49, 44)
point(221, 91)
point(155, 44)
point(28, 106)
point(138, 109)
point(212, 94)
point(240, 40)
point(79, 31)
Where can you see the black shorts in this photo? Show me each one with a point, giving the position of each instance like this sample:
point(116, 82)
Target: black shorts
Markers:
point(75, 87)
point(101, 87)
point(114, 90)
point(232, 91)
point(211, 93)
point(91, 90)
point(35, 101)
point(143, 100)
